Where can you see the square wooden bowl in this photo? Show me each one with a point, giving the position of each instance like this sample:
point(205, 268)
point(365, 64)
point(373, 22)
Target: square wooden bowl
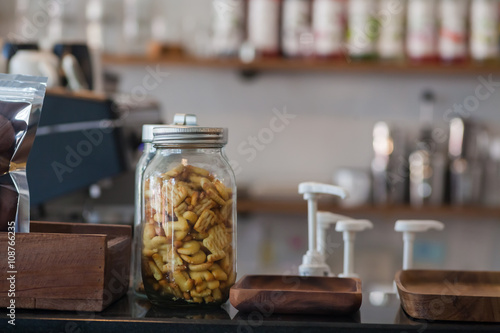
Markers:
point(297, 294)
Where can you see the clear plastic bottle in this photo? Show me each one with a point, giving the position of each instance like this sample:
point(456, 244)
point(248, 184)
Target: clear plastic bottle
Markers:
point(189, 217)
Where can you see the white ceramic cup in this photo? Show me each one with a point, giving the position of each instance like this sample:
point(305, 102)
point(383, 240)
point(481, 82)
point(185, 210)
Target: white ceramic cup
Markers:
point(356, 182)
point(37, 63)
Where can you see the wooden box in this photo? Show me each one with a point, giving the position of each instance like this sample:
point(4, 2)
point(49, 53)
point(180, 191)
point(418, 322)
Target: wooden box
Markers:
point(67, 266)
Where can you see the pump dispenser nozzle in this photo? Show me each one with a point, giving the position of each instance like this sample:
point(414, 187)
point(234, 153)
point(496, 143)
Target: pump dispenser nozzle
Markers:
point(313, 263)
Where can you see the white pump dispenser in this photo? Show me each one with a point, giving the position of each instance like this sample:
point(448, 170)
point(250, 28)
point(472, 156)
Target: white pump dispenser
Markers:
point(409, 228)
point(383, 296)
point(313, 263)
point(349, 229)
point(325, 220)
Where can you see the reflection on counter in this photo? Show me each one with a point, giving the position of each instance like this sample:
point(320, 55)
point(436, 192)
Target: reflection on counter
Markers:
point(264, 316)
point(189, 312)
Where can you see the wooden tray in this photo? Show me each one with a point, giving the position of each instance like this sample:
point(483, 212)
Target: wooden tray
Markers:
point(67, 266)
point(450, 295)
point(297, 294)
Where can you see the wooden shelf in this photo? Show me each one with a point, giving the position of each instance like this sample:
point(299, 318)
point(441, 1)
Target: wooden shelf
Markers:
point(336, 65)
point(249, 206)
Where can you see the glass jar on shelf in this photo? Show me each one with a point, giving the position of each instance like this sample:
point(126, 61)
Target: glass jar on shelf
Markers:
point(188, 216)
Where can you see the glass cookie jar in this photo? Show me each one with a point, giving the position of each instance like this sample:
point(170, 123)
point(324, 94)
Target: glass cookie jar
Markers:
point(189, 216)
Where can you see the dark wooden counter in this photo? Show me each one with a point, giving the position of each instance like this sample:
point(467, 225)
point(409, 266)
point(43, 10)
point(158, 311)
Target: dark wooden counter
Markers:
point(132, 314)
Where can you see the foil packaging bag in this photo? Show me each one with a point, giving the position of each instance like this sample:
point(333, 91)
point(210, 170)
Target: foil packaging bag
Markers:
point(21, 99)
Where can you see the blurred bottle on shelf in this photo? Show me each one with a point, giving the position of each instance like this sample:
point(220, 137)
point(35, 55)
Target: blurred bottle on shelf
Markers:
point(328, 26)
point(398, 168)
point(7, 18)
point(30, 25)
point(263, 26)
point(389, 166)
point(105, 25)
point(421, 32)
point(468, 149)
point(196, 38)
point(166, 27)
point(492, 185)
point(227, 26)
point(453, 30)
point(137, 26)
point(392, 29)
point(67, 24)
point(427, 161)
point(383, 146)
point(484, 35)
point(296, 36)
point(363, 29)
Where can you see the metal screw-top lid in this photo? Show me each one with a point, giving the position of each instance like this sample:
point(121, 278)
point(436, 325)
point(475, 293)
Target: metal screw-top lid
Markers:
point(185, 130)
point(147, 132)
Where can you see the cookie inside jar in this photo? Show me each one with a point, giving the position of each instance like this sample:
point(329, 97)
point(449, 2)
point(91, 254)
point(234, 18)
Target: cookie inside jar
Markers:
point(188, 244)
